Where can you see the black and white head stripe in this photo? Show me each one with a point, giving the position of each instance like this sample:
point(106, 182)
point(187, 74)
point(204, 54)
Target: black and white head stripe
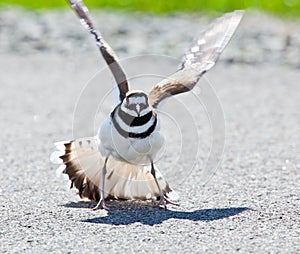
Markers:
point(136, 103)
point(130, 126)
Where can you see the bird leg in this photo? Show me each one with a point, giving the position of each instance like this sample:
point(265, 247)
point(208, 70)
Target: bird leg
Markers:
point(101, 204)
point(162, 200)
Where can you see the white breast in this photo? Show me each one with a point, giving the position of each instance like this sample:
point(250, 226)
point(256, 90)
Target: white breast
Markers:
point(133, 150)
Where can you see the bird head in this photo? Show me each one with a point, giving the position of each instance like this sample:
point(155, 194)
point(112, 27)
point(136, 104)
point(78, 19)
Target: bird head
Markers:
point(136, 103)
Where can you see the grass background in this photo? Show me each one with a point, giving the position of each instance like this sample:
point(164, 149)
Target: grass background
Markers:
point(289, 8)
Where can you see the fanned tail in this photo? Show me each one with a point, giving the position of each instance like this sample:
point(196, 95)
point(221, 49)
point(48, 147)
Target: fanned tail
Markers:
point(81, 160)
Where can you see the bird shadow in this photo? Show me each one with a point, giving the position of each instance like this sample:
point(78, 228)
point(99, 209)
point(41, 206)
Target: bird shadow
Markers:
point(125, 213)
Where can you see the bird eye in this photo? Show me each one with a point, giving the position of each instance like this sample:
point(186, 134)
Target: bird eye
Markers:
point(143, 106)
point(132, 106)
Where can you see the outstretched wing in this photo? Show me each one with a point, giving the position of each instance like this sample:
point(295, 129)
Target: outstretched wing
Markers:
point(199, 58)
point(105, 49)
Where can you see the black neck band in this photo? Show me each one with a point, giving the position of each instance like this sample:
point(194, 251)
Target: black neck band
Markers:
point(134, 120)
point(126, 134)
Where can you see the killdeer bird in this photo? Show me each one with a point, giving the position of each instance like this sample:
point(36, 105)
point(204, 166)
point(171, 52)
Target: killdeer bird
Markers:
point(119, 161)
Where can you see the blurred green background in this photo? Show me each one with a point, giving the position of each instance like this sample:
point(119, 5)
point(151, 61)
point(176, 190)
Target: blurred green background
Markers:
point(280, 7)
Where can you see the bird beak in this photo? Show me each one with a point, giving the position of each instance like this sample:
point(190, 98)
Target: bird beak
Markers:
point(138, 109)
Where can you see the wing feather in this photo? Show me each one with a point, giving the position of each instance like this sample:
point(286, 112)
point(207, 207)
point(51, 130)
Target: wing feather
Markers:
point(200, 57)
point(106, 51)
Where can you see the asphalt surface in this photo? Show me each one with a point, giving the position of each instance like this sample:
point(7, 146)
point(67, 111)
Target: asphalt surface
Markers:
point(251, 204)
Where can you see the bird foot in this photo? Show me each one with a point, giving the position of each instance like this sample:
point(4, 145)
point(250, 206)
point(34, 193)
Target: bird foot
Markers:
point(162, 201)
point(168, 201)
point(101, 205)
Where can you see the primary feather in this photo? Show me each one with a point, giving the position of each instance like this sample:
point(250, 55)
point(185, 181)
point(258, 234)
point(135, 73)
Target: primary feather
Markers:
point(201, 56)
point(106, 51)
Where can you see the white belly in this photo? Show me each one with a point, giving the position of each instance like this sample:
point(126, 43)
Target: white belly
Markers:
point(132, 150)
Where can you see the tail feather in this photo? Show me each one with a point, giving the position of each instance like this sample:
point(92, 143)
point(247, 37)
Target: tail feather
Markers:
point(83, 163)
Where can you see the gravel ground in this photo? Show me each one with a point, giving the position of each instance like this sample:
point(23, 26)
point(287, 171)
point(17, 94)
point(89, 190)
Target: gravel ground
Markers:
point(250, 205)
